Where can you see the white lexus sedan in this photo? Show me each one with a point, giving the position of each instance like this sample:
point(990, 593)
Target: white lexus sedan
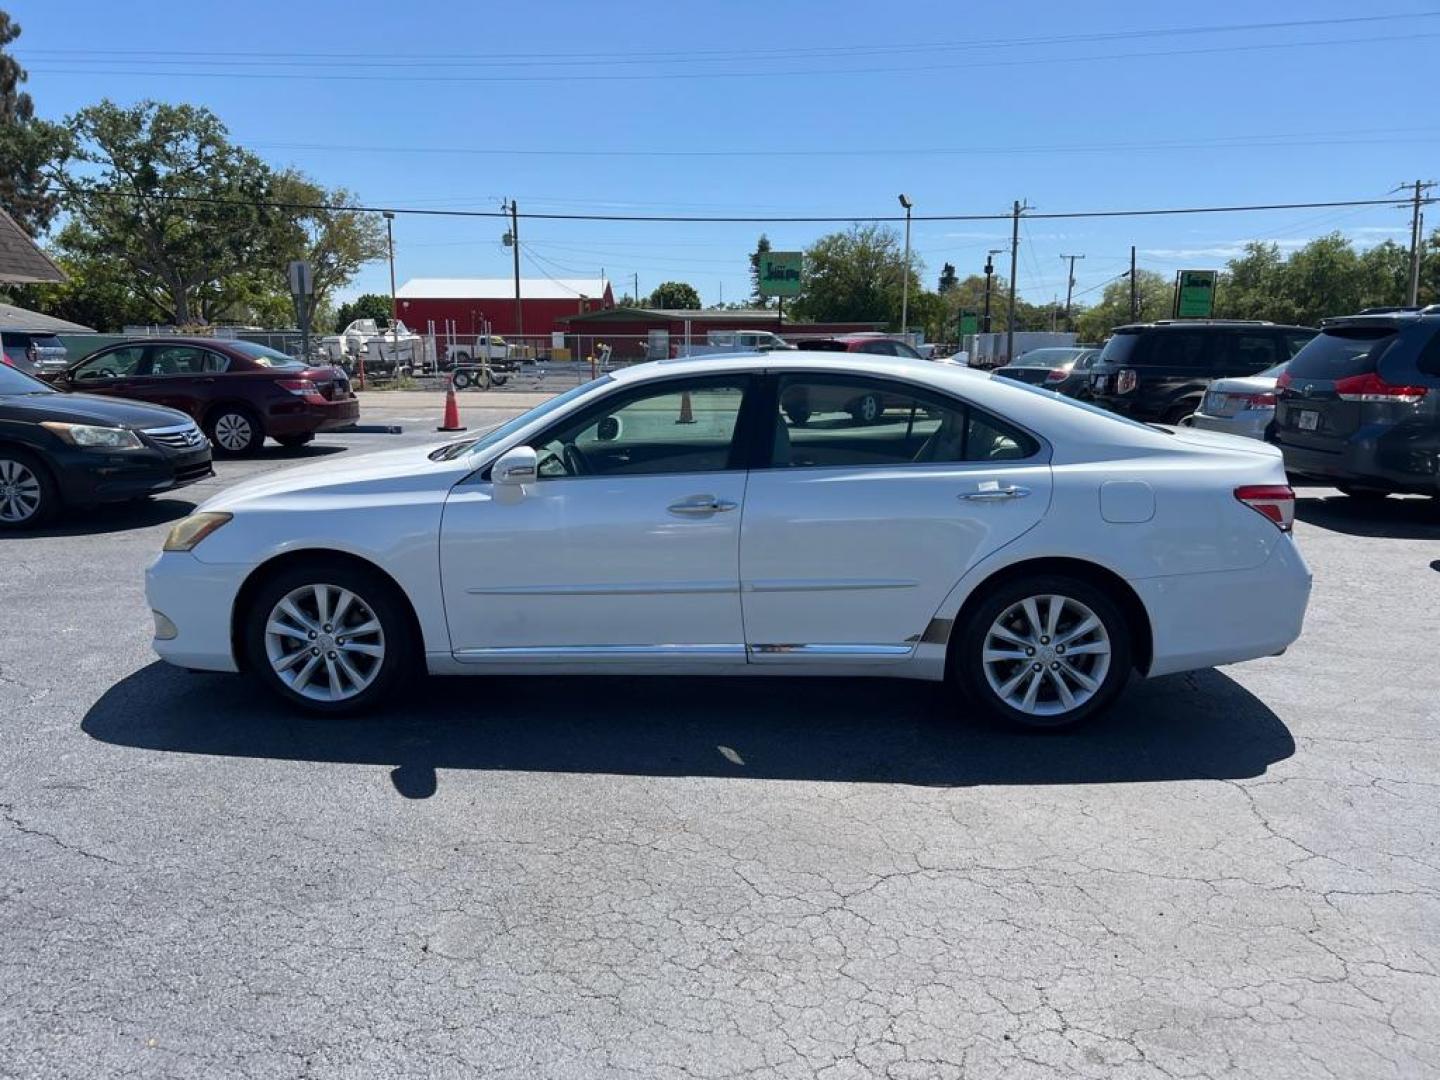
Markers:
point(672, 517)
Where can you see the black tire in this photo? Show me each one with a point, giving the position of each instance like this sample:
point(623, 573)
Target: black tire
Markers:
point(28, 494)
point(372, 591)
point(867, 409)
point(1177, 413)
point(461, 380)
point(294, 442)
point(968, 669)
point(1363, 494)
point(235, 431)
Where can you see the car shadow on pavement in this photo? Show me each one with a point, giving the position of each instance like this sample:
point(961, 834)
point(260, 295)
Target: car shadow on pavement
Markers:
point(1202, 725)
point(1395, 518)
point(275, 452)
point(113, 518)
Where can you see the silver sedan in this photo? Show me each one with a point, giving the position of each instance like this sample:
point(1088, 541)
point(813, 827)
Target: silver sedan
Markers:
point(1244, 405)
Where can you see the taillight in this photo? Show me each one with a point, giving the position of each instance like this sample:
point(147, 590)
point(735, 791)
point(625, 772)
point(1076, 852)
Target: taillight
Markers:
point(1257, 401)
point(1125, 380)
point(1370, 387)
point(1274, 501)
point(1283, 382)
point(6, 360)
point(302, 388)
point(1056, 375)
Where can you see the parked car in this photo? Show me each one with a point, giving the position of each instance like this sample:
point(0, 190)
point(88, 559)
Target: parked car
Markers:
point(876, 344)
point(1240, 406)
point(669, 518)
point(59, 450)
point(1359, 407)
point(1159, 371)
point(1064, 370)
point(33, 352)
point(238, 392)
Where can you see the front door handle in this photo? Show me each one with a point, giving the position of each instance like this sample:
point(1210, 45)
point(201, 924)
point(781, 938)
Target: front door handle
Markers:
point(698, 505)
point(997, 494)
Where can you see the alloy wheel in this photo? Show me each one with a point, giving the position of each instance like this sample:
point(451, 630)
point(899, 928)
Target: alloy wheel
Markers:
point(233, 432)
point(1046, 655)
point(20, 492)
point(324, 642)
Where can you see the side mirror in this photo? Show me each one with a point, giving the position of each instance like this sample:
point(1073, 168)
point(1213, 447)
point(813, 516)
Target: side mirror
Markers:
point(515, 467)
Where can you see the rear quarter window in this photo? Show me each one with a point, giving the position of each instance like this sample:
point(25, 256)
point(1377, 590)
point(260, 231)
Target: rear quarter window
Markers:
point(1342, 352)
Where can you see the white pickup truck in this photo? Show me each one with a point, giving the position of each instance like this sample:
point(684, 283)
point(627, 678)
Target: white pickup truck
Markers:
point(491, 349)
point(728, 341)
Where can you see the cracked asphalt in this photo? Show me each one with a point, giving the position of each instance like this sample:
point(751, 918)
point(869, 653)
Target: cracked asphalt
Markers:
point(1236, 873)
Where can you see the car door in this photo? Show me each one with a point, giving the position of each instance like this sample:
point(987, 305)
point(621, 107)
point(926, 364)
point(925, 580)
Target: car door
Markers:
point(856, 532)
point(110, 372)
point(624, 548)
point(177, 376)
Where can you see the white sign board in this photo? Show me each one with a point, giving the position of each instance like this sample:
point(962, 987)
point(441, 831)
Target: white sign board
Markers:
point(302, 282)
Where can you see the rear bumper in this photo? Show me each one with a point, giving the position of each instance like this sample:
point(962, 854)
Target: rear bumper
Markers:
point(304, 418)
point(86, 477)
point(1394, 459)
point(197, 598)
point(1251, 423)
point(1203, 620)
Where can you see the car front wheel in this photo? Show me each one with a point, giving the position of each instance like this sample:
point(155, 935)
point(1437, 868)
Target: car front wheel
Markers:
point(331, 639)
point(28, 497)
point(1044, 652)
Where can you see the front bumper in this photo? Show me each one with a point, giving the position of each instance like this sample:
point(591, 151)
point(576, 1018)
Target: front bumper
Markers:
point(197, 599)
point(1204, 620)
point(96, 476)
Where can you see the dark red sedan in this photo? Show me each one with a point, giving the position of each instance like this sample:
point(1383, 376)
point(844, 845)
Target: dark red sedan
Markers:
point(238, 392)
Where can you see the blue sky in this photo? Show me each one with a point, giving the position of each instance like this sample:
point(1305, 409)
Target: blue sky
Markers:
point(739, 109)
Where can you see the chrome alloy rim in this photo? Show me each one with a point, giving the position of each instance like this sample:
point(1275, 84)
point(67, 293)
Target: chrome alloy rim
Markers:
point(19, 492)
point(232, 431)
point(324, 642)
point(1046, 655)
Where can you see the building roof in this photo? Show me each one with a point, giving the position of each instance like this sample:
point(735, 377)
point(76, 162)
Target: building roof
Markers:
point(502, 289)
point(19, 318)
point(21, 261)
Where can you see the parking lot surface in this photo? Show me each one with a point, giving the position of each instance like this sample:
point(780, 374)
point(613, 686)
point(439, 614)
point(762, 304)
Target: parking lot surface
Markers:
point(1236, 873)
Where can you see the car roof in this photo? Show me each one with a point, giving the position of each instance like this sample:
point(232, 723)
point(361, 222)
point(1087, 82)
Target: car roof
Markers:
point(1209, 324)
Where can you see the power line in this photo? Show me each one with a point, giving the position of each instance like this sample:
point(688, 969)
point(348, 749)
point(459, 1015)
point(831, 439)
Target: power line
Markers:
point(747, 72)
point(751, 220)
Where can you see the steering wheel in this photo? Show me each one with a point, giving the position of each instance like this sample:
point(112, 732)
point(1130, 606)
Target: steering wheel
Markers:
point(575, 463)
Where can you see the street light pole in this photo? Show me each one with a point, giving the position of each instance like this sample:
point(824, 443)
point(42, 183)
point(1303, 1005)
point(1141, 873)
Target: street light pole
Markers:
point(394, 305)
point(905, 280)
point(985, 326)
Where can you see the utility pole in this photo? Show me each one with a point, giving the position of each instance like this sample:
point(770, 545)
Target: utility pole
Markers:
point(1134, 288)
point(1421, 187)
point(1014, 259)
point(394, 304)
point(905, 280)
point(515, 247)
point(637, 288)
point(1070, 289)
point(989, 271)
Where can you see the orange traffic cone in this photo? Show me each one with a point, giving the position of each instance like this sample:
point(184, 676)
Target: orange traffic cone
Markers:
point(452, 409)
point(686, 415)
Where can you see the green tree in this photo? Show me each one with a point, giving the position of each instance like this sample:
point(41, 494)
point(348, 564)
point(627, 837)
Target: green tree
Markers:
point(366, 306)
point(675, 295)
point(1154, 298)
point(762, 245)
point(26, 145)
point(96, 292)
point(163, 191)
point(856, 276)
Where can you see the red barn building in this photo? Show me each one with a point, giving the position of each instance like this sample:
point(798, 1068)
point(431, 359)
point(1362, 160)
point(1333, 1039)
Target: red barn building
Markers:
point(463, 305)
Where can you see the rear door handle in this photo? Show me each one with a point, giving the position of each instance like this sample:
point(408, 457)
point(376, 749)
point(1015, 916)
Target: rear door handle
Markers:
point(998, 494)
point(698, 505)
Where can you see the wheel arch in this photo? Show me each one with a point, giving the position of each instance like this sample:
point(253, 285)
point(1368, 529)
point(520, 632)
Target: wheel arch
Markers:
point(327, 558)
point(1142, 633)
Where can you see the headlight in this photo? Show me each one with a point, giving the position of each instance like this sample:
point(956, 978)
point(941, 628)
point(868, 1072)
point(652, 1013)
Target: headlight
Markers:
point(92, 435)
point(188, 532)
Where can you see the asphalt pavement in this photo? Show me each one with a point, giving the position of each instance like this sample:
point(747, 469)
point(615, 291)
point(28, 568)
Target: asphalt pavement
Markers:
point(1236, 873)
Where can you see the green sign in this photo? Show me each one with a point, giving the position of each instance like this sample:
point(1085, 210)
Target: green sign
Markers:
point(780, 273)
point(969, 324)
point(1195, 294)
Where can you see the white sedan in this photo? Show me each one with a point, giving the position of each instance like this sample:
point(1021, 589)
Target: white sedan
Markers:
point(672, 518)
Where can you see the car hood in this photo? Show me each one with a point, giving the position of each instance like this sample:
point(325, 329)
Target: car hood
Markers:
point(89, 408)
point(1251, 384)
point(376, 475)
point(1216, 440)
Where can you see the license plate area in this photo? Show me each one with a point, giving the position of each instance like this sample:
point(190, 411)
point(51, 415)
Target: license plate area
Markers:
point(1307, 420)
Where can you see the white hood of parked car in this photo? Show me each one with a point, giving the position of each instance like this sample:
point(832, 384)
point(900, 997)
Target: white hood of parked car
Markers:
point(402, 470)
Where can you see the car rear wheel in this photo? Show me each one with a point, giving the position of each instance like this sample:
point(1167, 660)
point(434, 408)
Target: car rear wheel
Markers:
point(1044, 652)
point(866, 409)
point(28, 496)
point(235, 431)
point(331, 639)
point(1179, 413)
point(1363, 494)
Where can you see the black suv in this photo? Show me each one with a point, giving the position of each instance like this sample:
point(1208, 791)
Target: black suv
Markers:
point(1158, 371)
point(1359, 406)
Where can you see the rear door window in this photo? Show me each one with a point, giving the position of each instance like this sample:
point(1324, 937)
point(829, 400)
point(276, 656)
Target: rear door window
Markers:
point(1251, 352)
point(1179, 349)
point(1341, 352)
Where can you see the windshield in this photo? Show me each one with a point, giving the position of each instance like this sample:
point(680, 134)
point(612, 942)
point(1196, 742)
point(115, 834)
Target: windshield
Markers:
point(266, 356)
point(451, 451)
point(17, 382)
point(1343, 351)
point(1048, 358)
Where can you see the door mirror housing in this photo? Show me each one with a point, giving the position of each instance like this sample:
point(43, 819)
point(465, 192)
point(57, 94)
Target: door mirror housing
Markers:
point(516, 466)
